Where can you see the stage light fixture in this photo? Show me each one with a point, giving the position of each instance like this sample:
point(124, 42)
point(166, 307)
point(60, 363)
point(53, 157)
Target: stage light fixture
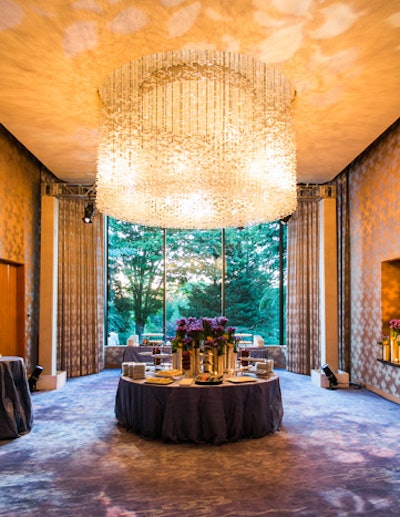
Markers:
point(34, 377)
point(333, 382)
point(88, 213)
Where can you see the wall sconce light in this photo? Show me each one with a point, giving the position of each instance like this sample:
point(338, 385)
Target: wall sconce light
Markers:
point(333, 382)
point(88, 213)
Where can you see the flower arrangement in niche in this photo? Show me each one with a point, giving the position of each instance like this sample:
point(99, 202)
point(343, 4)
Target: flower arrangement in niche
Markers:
point(394, 325)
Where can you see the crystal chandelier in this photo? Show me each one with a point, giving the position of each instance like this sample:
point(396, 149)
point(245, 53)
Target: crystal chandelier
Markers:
point(196, 139)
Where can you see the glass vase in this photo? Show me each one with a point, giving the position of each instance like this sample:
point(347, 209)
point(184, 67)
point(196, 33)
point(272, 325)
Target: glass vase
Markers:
point(394, 348)
point(195, 362)
point(186, 362)
point(208, 361)
point(177, 360)
point(220, 364)
point(385, 351)
point(231, 359)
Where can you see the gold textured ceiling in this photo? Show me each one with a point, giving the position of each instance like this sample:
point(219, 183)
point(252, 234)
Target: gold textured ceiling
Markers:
point(342, 57)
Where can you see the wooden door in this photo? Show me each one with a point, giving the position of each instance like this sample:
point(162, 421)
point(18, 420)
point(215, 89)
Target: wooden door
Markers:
point(11, 309)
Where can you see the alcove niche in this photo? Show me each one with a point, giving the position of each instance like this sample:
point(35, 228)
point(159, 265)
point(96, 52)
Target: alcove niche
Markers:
point(390, 292)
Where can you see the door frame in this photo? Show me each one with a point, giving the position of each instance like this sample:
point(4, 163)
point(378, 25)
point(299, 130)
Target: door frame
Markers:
point(20, 300)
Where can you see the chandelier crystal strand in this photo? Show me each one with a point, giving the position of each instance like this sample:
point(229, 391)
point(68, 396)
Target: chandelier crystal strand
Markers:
point(196, 139)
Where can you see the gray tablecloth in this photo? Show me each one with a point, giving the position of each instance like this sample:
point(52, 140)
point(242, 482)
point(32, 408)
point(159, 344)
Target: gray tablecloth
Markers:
point(212, 414)
point(15, 398)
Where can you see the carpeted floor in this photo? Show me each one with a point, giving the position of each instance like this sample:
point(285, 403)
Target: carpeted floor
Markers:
point(337, 454)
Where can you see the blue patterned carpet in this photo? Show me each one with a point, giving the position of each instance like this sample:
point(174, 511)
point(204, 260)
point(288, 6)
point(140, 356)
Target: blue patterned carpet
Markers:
point(337, 454)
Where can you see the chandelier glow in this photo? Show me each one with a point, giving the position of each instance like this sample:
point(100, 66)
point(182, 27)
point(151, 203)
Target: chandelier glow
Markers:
point(196, 139)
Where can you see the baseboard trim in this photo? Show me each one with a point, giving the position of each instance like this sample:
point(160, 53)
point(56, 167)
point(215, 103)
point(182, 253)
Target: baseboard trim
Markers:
point(383, 394)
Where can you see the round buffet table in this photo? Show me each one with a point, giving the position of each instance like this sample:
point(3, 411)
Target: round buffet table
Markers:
point(15, 398)
point(199, 413)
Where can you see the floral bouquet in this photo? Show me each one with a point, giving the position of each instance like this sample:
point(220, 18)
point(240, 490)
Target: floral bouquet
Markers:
point(216, 335)
point(210, 332)
point(394, 326)
point(189, 334)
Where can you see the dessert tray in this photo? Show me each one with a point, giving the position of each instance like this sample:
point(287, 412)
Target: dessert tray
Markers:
point(168, 373)
point(159, 380)
point(240, 380)
point(209, 379)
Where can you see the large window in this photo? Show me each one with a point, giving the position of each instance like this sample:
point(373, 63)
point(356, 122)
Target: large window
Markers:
point(157, 276)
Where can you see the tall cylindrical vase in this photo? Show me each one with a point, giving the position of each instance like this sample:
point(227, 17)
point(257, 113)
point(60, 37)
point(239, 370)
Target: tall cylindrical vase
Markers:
point(230, 360)
point(227, 361)
point(177, 359)
point(195, 362)
point(394, 348)
point(208, 361)
point(186, 362)
point(219, 362)
point(386, 351)
point(234, 362)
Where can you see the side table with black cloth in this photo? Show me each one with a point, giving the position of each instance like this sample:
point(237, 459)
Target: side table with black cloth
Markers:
point(255, 352)
point(15, 398)
point(142, 353)
point(200, 414)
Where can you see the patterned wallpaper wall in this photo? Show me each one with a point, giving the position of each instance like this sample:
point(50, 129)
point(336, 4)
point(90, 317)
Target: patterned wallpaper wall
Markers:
point(20, 227)
point(375, 237)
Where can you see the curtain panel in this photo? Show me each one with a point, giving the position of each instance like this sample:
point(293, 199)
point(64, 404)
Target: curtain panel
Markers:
point(81, 284)
point(303, 328)
point(344, 303)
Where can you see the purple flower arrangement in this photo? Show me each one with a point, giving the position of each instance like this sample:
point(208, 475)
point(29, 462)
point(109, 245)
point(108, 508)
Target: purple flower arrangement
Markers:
point(208, 332)
point(394, 325)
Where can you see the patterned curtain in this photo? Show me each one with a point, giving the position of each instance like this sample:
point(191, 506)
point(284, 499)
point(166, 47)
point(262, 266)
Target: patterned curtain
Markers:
point(303, 330)
point(80, 291)
point(343, 231)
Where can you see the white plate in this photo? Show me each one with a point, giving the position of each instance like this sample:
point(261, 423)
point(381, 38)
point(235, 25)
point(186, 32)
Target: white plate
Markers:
point(239, 380)
point(185, 382)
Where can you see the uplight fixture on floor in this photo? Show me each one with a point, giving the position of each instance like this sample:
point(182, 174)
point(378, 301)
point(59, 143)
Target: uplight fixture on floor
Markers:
point(196, 139)
point(333, 382)
point(34, 377)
